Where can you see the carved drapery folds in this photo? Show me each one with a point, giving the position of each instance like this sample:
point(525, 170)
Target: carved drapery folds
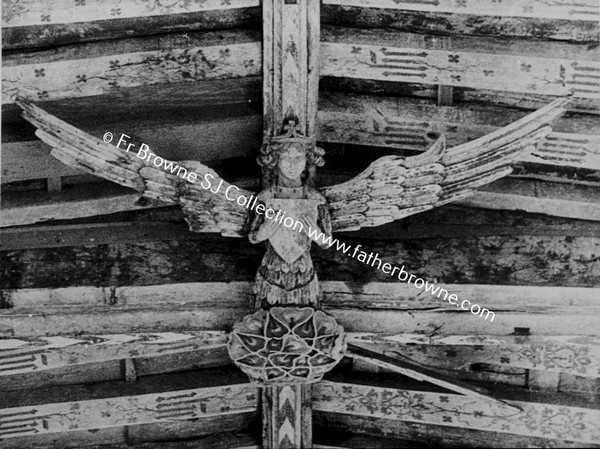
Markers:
point(287, 345)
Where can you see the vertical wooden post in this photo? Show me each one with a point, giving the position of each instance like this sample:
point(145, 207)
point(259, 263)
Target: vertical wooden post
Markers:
point(287, 417)
point(291, 40)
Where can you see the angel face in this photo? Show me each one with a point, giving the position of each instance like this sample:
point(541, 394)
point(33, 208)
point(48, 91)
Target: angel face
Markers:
point(292, 161)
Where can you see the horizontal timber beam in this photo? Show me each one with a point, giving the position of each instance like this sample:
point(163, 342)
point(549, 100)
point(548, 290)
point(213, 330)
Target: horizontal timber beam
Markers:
point(448, 221)
point(464, 62)
point(102, 321)
point(529, 341)
point(99, 68)
point(556, 199)
point(396, 307)
point(27, 31)
point(406, 123)
point(190, 294)
point(437, 22)
point(357, 119)
point(578, 355)
point(396, 433)
point(487, 97)
point(561, 422)
point(352, 53)
point(34, 355)
point(510, 298)
point(535, 196)
point(204, 141)
point(94, 199)
point(584, 10)
point(374, 296)
point(31, 12)
point(63, 409)
point(500, 258)
point(452, 322)
point(215, 432)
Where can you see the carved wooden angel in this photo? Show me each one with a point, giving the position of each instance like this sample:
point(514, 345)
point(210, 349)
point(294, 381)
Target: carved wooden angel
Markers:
point(391, 188)
point(286, 274)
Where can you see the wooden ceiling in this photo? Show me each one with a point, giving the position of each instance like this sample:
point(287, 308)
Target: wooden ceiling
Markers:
point(113, 314)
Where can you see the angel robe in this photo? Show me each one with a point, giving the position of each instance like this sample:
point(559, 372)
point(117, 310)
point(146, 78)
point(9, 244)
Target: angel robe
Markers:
point(277, 281)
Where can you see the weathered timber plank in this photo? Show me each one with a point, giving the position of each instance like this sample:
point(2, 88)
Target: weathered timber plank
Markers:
point(530, 195)
point(418, 372)
point(77, 439)
point(84, 200)
point(144, 107)
point(396, 307)
point(31, 160)
point(400, 296)
point(578, 355)
point(496, 372)
point(104, 321)
point(452, 322)
point(227, 440)
point(585, 10)
point(193, 294)
point(112, 65)
point(87, 200)
point(345, 439)
point(506, 260)
point(92, 28)
point(374, 296)
point(336, 294)
point(525, 100)
point(92, 233)
point(365, 120)
point(216, 64)
point(113, 369)
point(362, 123)
point(28, 355)
point(412, 124)
point(463, 23)
point(430, 435)
point(504, 375)
point(534, 260)
point(204, 141)
point(557, 199)
point(199, 378)
point(75, 374)
point(31, 12)
point(535, 420)
point(138, 409)
point(488, 97)
point(180, 430)
point(162, 223)
point(197, 433)
point(402, 57)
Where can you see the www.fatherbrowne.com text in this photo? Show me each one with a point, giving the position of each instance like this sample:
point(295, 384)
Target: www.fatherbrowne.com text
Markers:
point(403, 275)
point(251, 203)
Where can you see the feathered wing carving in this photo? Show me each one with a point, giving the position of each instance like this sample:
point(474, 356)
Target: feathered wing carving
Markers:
point(395, 187)
point(391, 188)
point(204, 210)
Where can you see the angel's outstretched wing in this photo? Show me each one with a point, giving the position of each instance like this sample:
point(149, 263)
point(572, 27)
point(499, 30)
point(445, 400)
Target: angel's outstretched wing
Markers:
point(394, 187)
point(204, 210)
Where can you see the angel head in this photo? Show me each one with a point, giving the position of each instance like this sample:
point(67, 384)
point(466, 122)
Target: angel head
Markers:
point(294, 159)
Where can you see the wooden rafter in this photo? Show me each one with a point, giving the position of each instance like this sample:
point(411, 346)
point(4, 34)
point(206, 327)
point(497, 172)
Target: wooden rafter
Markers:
point(421, 408)
point(291, 92)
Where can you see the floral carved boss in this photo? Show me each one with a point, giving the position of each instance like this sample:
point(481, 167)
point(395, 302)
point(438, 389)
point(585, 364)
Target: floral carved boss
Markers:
point(287, 345)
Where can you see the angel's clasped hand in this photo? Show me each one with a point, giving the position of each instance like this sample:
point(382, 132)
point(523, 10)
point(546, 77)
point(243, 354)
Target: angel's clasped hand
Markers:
point(268, 229)
point(311, 227)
